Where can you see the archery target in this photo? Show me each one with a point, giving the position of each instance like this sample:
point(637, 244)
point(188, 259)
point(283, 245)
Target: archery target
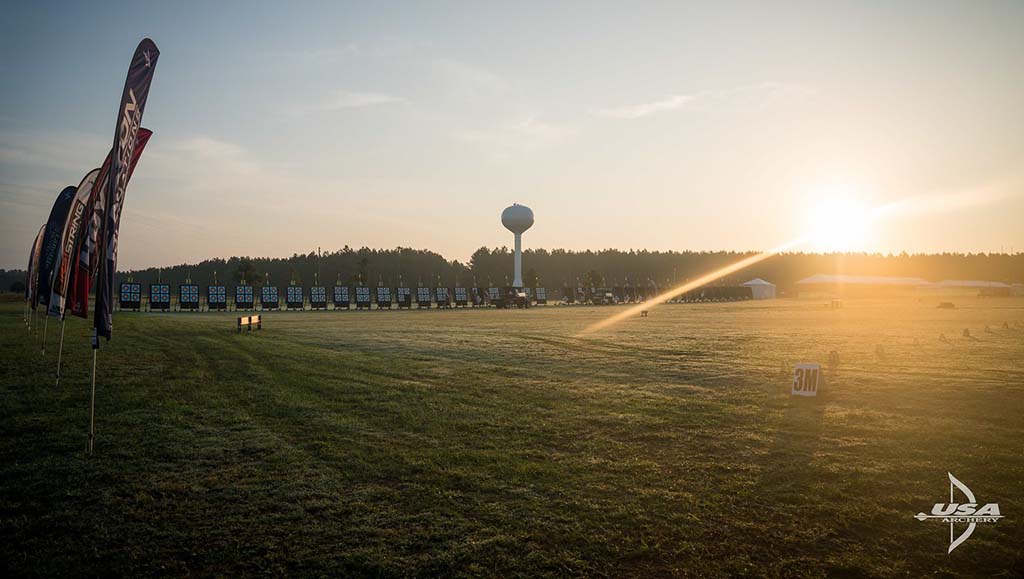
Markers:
point(318, 297)
point(404, 296)
point(269, 297)
point(383, 297)
point(423, 297)
point(131, 296)
point(159, 296)
point(294, 297)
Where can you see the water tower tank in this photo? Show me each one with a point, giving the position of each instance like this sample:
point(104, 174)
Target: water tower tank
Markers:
point(517, 218)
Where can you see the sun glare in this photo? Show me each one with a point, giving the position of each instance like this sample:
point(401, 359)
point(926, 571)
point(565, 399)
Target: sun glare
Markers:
point(838, 222)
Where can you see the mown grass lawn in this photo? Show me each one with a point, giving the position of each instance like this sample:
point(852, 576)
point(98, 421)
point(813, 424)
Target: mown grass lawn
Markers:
point(469, 443)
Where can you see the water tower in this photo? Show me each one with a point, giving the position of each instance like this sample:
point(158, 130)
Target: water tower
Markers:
point(517, 219)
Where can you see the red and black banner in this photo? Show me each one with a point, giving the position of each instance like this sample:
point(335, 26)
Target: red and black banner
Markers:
point(69, 239)
point(83, 270)
point(129, 119)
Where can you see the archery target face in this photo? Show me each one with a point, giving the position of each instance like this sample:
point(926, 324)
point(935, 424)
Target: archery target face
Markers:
point(423, 295)
point(268, 294)
point(317, 295)
point(341, 294)
point(383, 295)
point(294, 294)
point(216, 294)
point(188, 294)
point(243, 294)
point(131, 294)
point(362, 295)
point(160, 293)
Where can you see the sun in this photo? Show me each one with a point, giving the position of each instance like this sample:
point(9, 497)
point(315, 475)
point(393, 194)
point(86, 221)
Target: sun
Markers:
point(838, 221)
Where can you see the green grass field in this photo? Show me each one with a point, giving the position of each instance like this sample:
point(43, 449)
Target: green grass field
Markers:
point(469, 443)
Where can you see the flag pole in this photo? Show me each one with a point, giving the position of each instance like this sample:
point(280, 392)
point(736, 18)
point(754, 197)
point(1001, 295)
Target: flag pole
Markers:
point(46, 322)
point(60, 352)
point(92, 402)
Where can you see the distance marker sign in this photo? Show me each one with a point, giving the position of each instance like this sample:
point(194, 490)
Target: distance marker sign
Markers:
point(807, 378)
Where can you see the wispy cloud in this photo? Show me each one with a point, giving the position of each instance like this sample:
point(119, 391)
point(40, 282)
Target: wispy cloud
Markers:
point(340, 100)
point(643, 109)
point(59, 150)
point(468, 81)
point(760, 93)
point(521, 135)
point(352, 100)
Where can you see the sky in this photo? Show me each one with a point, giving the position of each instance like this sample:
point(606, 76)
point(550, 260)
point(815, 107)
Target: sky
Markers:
point(281, 127)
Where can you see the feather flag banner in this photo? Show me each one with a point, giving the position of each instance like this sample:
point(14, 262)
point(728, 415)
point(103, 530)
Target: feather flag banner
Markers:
point(33, 269)
point(83, 269)
point(129, 119)
point(50, 250)
point(73, 226)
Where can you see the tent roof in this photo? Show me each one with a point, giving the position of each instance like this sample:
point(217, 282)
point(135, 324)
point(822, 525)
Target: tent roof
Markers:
point(969, 283)
point(758, 281)
point(821, 278)
point(862, 279)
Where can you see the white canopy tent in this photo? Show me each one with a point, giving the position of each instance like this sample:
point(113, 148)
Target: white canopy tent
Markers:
point(761, 289)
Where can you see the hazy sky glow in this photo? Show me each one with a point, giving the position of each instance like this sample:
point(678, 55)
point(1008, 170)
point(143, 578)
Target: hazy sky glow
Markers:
point(286, 126)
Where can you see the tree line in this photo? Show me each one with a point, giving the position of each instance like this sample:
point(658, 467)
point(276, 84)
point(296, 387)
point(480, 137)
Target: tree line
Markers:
point(559, 267)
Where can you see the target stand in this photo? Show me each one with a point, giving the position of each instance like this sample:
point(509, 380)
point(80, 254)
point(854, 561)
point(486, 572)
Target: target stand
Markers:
point(244, 298)
point(383, 298)
point(216, 297)
point(461, 297)
point(131, 296)
point(568, 295)
point(341, 297)
point(423, 297)
point(318, 298)
point(541, 296)
point(404, 295)
point(188, 297)
point(159, 297)
point(294, 298)
point(269, 300)
point(363, 300)
point(443, 297)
